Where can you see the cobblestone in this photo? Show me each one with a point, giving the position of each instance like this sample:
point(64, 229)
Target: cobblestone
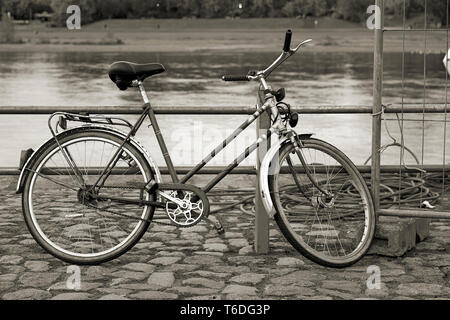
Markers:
point(240, 243)
point(11, 259)
point(37, 266)
point(161, 279)
point(38, 279)
point(142, 267)
point(422, 289)
point(130, 275)
point(72, 296)
point(239, 290)
point(189, 291)
point(165, 261)
point(114, 297)
point(290, 262)
point(285, 291)
point(216, 247)
point(197, 263)
point(251, 278)
point(246, 250)
point(153, 295)
point(27, 294)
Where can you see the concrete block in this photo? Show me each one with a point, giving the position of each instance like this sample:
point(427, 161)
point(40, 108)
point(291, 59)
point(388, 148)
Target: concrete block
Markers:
point(422, 229)
point(394, 237)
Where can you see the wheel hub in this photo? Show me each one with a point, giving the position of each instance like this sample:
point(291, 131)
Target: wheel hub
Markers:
point(323, 201)
point(86, 197)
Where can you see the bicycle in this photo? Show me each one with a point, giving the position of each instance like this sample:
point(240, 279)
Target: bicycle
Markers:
point(90, 192)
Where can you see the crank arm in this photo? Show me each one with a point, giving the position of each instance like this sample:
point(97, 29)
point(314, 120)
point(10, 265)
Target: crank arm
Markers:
point(175, 200)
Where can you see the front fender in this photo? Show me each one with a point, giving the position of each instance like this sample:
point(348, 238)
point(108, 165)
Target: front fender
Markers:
point(269, 167)
point(24, 172)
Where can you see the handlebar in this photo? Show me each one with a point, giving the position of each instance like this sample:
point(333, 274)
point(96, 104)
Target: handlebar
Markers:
point(287, 41)
point(287, 53)
point(230, 78)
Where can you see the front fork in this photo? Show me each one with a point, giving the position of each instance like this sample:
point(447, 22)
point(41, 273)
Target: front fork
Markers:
point(269, 167)
point(298, 145)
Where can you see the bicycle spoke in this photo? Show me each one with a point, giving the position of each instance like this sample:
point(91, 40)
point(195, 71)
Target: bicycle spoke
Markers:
point(323, 207)
point(74, 222)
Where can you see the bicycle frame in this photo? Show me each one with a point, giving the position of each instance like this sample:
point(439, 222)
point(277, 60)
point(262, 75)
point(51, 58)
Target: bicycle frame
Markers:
point(268, 106)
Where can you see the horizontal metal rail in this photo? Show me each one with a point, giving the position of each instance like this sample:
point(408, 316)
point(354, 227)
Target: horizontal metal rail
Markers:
point(414, 30)
point(9, 171)
point(414, 213)
point(222, 110)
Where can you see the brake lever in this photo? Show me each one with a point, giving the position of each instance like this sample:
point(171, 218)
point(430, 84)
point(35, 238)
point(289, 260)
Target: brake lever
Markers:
point(300, 45)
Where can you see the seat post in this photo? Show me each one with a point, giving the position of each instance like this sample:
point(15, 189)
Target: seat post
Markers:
point(143, 92)
point(157, 130)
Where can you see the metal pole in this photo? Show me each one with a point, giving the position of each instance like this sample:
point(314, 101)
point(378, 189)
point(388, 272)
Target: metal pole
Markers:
point(261, 217)
point(414, 213)
point(377, 108)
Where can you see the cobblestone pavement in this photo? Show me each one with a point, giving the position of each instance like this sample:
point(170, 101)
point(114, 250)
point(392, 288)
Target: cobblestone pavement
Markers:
point(197, 263)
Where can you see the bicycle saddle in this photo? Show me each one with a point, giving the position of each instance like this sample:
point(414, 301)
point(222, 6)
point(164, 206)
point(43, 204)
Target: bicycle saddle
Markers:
point(123, 73)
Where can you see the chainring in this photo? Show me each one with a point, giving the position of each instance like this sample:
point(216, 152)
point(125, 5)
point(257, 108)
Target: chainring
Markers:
point(193, 208)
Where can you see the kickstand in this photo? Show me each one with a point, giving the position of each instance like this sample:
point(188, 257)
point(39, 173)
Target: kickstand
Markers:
point(216, 224)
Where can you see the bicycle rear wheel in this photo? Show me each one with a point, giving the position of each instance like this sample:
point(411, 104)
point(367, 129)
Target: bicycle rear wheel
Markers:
point(61, 216)
point(334, 230)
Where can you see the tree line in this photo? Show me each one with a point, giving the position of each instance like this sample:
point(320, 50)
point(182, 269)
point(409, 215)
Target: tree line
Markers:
point(93, 10)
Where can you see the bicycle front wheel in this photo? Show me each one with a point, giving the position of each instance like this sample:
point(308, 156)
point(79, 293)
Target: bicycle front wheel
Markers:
point(62, 216)
point(328, 214)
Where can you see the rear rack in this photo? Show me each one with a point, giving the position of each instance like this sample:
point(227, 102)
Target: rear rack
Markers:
point(65, 117)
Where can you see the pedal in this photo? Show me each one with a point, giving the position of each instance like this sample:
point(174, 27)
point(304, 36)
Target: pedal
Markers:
point(219, 228)
point(216, 224)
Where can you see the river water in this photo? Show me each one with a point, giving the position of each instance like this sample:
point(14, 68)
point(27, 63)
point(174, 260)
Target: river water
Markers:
point(193, 79)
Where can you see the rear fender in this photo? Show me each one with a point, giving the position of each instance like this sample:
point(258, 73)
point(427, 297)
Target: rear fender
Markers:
point(28, 164)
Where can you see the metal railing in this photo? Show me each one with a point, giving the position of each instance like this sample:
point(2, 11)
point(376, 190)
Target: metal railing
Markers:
point(261, 218)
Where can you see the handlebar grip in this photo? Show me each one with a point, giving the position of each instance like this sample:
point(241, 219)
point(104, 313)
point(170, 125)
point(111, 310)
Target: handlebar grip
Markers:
point(287, 41)
point(230, 78)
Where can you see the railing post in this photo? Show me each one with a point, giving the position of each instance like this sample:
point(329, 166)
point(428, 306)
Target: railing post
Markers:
point(261, 217)
point(377, 107)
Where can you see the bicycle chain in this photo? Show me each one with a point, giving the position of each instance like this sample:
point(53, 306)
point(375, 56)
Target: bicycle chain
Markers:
point(128, 216)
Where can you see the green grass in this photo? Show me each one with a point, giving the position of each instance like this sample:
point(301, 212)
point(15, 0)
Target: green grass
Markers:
point(186, 25)
point(216, 24)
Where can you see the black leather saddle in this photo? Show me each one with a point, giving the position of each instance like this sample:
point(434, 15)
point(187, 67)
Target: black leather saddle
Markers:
point(123, 73)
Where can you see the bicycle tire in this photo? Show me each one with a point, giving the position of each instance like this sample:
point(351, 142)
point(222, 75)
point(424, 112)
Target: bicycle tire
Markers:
point(35, 172)
point(298, 240)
